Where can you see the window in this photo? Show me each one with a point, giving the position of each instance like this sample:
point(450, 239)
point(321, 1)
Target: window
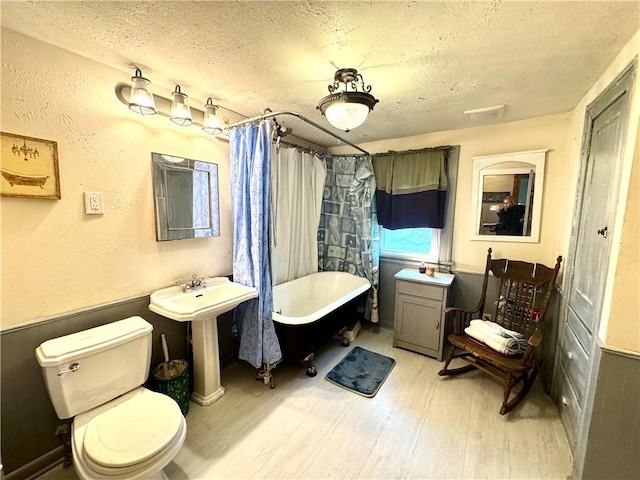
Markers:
point(410, 243)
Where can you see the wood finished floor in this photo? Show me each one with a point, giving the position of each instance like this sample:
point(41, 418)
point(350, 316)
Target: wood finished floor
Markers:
point(419, 425)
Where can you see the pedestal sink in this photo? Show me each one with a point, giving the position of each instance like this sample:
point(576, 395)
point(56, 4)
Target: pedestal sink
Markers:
point(201, 306)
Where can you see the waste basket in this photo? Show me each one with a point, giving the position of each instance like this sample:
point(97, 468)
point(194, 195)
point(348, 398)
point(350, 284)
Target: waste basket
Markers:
point(172, 379)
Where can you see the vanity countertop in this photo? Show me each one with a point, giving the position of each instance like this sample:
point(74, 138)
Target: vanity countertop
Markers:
point(412, 274)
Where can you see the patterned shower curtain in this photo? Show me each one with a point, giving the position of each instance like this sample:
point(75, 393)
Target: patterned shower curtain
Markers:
point(251, 199)
point(348, 239)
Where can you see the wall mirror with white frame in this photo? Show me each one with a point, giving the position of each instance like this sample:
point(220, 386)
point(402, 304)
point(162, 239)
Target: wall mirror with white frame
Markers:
point(186, 198)
point(507, 196)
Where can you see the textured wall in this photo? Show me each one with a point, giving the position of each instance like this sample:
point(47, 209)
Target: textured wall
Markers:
point(624, 326)
point(56, 259)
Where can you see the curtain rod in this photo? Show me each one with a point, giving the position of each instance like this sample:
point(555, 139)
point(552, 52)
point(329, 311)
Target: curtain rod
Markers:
point(415, 150)
point(301, 117)
point(308, 150)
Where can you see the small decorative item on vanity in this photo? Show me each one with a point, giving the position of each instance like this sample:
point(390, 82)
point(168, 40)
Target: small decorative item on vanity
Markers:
point(431, 272)
point(422, 268)
point(29, 167)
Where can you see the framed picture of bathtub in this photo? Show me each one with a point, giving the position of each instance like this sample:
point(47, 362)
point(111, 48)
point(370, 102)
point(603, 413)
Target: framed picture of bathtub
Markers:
point(29, 167)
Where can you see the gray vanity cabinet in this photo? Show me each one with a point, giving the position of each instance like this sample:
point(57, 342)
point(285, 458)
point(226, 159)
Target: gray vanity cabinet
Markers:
point(419, 315)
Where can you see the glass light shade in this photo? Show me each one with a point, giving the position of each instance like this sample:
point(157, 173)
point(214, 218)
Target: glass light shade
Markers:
point(211, 123)
point(180, 111)
point(346, 116)
point(141, 99)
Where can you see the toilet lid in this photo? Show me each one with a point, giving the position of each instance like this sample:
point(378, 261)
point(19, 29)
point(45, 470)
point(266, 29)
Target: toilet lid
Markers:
point(132, 431)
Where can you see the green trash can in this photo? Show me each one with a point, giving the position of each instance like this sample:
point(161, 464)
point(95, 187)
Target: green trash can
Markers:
point(172, 379)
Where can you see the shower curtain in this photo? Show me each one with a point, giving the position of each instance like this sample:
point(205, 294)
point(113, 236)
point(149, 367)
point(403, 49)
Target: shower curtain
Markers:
point(298, 184)
point(348, 239)
point(250, 148)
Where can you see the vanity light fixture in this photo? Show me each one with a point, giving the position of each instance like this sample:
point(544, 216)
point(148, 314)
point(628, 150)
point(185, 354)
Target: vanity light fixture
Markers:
point(180, 111)
point(141, 100)
point(138, 97)
point(349, 108)
point(210, 122)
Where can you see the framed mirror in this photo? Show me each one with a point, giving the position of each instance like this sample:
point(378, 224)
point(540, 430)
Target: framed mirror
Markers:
point(186, 198)
point(507, 196)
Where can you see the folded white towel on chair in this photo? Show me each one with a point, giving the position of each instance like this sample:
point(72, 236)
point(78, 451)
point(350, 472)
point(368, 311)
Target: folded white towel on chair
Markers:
point(493, 327)
point(506, 346)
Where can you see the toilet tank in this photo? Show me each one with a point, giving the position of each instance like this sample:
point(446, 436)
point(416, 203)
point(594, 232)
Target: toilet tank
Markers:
point(91, 367)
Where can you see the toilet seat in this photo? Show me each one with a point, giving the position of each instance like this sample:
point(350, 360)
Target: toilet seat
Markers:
point(105, 444)
point(133, 436)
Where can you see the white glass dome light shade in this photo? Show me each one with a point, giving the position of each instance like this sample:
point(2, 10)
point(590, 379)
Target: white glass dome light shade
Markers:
point(210, 123)
point(180, 110)
point(141, 100)
point(348, 109)
point(346, 116)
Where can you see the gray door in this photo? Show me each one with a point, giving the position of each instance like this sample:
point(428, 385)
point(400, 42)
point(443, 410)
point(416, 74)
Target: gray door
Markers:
point(602, 153)
point(596, 202)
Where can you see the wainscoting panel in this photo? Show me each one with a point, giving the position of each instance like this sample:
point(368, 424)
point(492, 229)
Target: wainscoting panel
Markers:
point(28, 419)
point(613, 441)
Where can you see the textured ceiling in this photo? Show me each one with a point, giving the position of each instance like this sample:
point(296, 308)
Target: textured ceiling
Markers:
point(427, 62)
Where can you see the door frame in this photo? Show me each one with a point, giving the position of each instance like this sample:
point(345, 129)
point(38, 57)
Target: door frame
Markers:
point(623, 83)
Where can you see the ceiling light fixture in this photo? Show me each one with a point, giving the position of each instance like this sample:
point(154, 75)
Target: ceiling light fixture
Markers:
point(141, 100)
point(210, 123)
point(349, 108)
point(180, 111)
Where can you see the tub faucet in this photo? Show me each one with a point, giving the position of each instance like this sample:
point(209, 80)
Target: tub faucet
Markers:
point(194, 283)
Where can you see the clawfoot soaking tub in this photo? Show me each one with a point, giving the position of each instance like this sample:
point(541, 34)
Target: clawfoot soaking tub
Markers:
point(309, 310)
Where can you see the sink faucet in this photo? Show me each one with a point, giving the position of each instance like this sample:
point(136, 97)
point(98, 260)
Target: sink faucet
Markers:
point(194, 283)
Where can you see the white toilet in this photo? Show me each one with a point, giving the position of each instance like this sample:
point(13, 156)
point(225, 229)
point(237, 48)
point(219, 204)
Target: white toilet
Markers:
point(120, 429)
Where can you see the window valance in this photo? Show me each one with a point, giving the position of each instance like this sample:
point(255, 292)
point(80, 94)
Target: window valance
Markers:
point(411, 188)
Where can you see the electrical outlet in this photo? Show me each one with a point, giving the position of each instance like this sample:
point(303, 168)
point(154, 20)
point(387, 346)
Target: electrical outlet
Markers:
point(486, 316)
point(93, 203)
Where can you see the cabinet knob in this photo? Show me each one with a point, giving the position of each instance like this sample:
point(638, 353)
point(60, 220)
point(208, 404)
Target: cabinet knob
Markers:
point(570, 355)
point(437, 325)
point(564, 400)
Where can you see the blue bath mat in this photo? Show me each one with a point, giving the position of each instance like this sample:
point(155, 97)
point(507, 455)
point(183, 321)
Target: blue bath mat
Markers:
point(361, 371)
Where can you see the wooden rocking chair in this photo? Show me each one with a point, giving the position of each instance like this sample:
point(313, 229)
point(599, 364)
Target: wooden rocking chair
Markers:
point(525, 291)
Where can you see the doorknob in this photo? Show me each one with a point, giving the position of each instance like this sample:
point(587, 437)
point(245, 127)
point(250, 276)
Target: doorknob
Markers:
point(603, 232)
